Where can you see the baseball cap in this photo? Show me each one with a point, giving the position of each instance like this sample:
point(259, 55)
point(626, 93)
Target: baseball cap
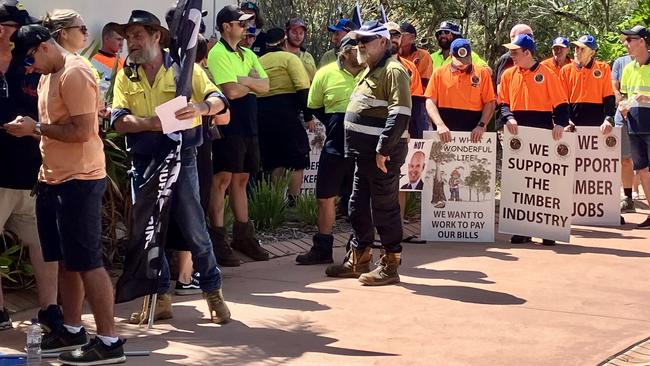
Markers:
point(295, 22)
point(522, 41)
point(369, 29)
point(393, 27)
point(250, 31)
point(230, 13)
point(249, 5)
point(28, 37)
point(408, 28)
point(586, 41)
point(448, 26)
point(461, 51)
point(561, 42)
point(637, 30)
point(347, 42)
point(343, 24)
point(274, 37)
point(15, 13)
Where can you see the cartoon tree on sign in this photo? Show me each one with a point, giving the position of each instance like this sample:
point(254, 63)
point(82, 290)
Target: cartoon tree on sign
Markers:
point(478, 179)
point(439, 157)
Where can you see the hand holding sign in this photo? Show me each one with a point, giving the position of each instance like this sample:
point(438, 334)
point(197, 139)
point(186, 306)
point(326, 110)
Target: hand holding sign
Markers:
point(512, 126)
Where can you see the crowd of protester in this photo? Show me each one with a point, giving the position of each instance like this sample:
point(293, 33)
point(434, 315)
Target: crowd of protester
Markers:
point(255, 95)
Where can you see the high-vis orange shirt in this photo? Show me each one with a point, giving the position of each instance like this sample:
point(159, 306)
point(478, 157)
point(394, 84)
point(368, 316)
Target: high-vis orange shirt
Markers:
point(460, 95)
point(422, 60)
point(550, 62)
point(534, 97)
point(414, 74)
point(590, 92)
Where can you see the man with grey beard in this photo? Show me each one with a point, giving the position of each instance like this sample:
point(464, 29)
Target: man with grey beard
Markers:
point(376, 123)
point(139, 88)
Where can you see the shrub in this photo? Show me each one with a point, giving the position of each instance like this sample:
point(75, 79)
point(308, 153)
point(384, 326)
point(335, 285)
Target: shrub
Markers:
point(14, 263)
point(267, 206)
point(307, 208)
point(412, 208)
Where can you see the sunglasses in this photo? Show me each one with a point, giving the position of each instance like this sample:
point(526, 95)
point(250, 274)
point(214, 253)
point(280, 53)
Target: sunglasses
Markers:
point(445, 32)
point(630, 39)
point(82, 28)
point(242, 23)
point(29, 58)
point(367, 39)
point(395, 34)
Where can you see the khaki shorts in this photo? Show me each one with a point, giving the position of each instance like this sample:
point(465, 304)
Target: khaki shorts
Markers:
point(18, 215)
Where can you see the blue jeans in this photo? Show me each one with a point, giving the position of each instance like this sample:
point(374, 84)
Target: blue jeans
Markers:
point(188, 214)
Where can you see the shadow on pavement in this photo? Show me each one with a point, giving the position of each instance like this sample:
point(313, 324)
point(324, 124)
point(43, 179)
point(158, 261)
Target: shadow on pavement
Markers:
point(464, 294)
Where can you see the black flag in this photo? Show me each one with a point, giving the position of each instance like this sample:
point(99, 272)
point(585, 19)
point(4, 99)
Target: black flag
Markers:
point(150, 216)
point(356, 15)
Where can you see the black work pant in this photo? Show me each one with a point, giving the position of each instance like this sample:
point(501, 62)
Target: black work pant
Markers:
point(375, 204)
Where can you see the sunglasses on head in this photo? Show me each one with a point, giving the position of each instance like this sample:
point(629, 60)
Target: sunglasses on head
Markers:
point(82, 28)
point(367, 39)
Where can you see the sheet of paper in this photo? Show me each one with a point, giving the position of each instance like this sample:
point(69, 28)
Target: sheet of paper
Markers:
point(166, 113)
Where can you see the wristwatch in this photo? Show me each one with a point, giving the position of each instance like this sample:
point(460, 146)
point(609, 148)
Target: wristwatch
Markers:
point(481, 124)
point(37, 129)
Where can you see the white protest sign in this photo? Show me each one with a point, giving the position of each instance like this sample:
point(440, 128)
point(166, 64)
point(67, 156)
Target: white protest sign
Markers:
point(537, 174)
point(598, 177)
point(458, 195)
point(414, 169)
point(316, 141)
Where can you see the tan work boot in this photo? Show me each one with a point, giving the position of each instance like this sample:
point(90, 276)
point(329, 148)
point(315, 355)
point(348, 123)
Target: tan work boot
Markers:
point(219, 312)
point(355, 263)
point(386, 271)
point(163, 310)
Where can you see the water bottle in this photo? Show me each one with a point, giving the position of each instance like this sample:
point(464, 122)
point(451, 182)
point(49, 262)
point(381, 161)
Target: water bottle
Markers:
point(33, 347)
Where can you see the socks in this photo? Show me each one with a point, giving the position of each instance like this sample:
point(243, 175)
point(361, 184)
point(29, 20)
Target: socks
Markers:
point(107, 340)
point(628, 192)
point(71, 329)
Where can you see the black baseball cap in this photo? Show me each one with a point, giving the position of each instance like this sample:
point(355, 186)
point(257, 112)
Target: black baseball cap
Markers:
point(16, 13)
point(408, 28)
point(638, 30)
point(28, 37)
point(230, 13)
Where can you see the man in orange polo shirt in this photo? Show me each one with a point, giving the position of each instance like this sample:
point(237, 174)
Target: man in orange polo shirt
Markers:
point(560, 55)
point(418, 56)
point(531, 95)
point(106, 57)
point(460, 96)
point(588, 86)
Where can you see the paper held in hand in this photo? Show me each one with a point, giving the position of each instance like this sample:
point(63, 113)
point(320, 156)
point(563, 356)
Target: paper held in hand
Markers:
point(167, 114)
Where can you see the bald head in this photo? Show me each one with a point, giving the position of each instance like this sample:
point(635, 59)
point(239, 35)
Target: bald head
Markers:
point(520, 29)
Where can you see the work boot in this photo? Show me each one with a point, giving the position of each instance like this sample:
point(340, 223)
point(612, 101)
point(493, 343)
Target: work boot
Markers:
point(548, 242)
point(320, 252)
point(219, 312)
point(520, 239)
point(356, 263)
point(386, 271)
point(243, 240)
point(163, 310)
point(627, 205)
point(222, 250)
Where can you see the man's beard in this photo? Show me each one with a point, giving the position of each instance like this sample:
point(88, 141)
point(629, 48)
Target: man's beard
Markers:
point(362, 56)
point(394, 48)
point(444, 43)
point(143, 55)
point(293, 44)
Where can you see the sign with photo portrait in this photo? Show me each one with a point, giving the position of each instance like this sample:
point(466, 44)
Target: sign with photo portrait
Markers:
point(414, 168)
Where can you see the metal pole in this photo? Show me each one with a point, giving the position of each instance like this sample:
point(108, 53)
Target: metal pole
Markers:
point(152, 309)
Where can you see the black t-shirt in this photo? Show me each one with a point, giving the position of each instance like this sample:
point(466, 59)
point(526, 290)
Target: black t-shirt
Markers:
point(259, 46)
point(20, 158)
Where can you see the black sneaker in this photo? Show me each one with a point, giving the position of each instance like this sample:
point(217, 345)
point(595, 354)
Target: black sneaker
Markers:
point(645, 224)
point(191, 288)
point(548, 242)
point(5, 320)
point(95, 353)
point(519, 239)
point(627, 205)
point(50, 318)
point(62, 340)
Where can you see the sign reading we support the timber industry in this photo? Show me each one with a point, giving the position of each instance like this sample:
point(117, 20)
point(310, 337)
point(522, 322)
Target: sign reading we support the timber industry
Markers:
point(458, 195)
point(316, 141)
point(598, 177)
point(536, 181)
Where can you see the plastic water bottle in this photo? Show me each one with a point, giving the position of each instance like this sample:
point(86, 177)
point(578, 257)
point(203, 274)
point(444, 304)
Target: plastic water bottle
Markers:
point(33, 347)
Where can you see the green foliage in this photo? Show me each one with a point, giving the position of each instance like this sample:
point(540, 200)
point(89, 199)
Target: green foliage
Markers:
point(116, 204)
point(412, 206)
point(307, 208)
point(14, 264)
point(267, 206)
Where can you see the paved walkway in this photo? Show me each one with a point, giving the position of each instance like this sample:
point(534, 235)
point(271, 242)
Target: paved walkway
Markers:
point(458, 304)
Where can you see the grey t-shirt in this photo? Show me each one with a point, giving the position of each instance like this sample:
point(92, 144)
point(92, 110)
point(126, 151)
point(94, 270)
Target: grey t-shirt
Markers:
point(617, 71)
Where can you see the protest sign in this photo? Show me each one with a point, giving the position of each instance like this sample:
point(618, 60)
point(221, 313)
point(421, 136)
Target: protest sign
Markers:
point(537, 174)
point(458, 195)
point(598, 177)
point(316, 141)
point(414, 169)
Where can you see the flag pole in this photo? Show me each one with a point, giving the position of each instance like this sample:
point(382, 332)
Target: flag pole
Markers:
point(152, 310)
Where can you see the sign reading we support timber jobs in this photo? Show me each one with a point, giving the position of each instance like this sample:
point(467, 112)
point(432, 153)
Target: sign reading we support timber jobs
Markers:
point(598, 177)
point(537, 177)
point(458, 194)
